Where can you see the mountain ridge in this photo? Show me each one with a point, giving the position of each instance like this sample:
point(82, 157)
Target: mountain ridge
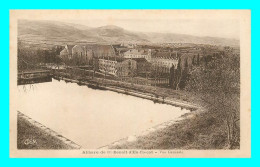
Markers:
point(53, 31)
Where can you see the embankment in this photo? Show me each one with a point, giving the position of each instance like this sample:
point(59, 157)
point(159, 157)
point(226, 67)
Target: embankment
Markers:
point(33, 135)
point(133, 90)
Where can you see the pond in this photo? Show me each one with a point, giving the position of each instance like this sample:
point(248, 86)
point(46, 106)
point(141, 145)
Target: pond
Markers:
point(89, 117)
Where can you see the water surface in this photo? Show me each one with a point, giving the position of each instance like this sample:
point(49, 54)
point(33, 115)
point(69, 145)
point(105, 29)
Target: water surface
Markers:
point(91, 118)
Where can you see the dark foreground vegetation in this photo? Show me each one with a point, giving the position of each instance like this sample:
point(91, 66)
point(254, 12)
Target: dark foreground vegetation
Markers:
point(29, 58)
point(32, 137)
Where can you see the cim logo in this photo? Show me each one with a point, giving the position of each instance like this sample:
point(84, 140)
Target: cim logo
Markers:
point(30, 141)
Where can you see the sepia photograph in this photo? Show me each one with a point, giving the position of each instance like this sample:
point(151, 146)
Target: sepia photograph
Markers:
point(130, 83)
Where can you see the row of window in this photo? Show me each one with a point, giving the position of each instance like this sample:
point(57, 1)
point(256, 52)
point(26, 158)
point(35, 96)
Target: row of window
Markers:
point(136, 56)
point(169, 64)
point(108, 65)
point(107, 61)
point(108, 71)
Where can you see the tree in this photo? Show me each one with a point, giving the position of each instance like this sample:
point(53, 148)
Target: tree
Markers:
point(193, 60)
point(184, 75)
point(34, 56)
point(198, 59)
point(155, 73)
point(217, 85)
point(178, 75)
point(172, 76)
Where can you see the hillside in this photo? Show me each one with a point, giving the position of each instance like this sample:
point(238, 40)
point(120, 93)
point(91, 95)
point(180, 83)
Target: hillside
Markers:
point(54, 32)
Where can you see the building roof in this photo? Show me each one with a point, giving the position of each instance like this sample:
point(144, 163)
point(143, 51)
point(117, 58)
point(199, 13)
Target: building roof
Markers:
point(122, 50)
point(79, 46)
point(101, 50)
point(64, 52)
point(114, 58)
point(140, 60)
point(189, 54)
point(165, 55)
point(136, 51)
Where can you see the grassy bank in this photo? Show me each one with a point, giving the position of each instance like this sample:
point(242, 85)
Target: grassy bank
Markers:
point(31, 137)
point(177, 95)
point(216, 87)
point(198, 130)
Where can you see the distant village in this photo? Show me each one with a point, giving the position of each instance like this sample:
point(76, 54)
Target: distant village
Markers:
point(152, 64)
point(119, 61)
point(129, 59)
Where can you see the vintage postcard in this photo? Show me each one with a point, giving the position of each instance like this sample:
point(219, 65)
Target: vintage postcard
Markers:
point(130, 83)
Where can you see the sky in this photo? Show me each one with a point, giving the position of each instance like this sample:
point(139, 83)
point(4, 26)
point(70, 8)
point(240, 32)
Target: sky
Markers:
point(198, 27)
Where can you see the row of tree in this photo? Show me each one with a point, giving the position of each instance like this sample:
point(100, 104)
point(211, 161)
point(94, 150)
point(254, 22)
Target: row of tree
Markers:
point(180, 75)
point(29, 57)
point(217, 84)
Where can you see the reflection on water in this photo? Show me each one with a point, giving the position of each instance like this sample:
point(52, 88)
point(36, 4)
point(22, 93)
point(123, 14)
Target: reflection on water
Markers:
point(91, 118)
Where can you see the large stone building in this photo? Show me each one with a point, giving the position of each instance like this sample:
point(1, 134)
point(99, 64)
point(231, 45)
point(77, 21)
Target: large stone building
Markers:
point(107, 59)
point(84, 55)
point(165, 60)
point(117, 66)
point(79, 55)
point(138, 53)
point(66, 53)
point(107, 66)
point(74, 54)
point(101, 51)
